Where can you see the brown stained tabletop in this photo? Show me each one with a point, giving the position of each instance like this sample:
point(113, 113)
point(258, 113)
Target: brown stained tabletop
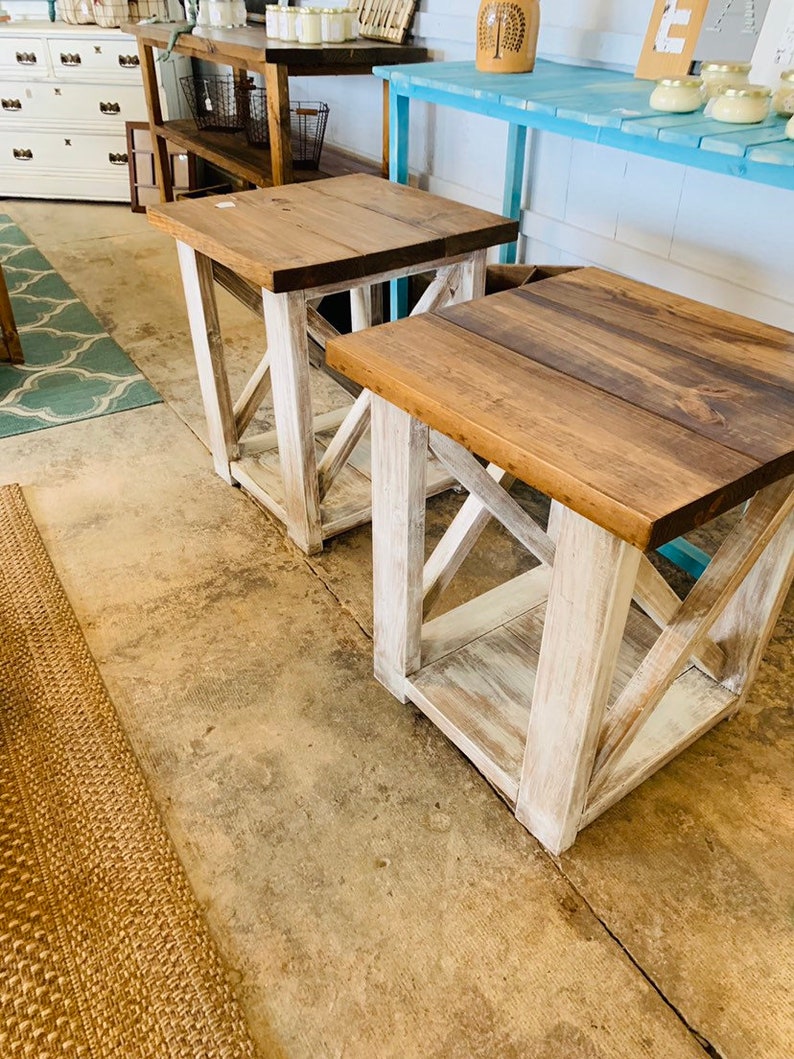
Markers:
point(303, 235)
point(646, 412)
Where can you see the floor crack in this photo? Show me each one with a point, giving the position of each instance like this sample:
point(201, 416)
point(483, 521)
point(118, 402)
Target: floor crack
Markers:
point(705, 1044)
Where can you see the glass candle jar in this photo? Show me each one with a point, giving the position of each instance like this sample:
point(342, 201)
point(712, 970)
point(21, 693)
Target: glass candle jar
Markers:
point(677, 95)
point(352, 24)
point(221, 14)
point(272, 21)
point(741, 104)
point(334, 25)
point(288, 23)
point(783, 99)
point(310, 25)
point(718, 73)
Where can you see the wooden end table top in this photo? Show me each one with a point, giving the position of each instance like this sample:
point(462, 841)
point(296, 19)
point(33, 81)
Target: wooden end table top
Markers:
point(646, 412)
point(301, 236)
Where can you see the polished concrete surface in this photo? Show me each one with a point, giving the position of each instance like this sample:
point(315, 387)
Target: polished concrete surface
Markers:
point(370, 893)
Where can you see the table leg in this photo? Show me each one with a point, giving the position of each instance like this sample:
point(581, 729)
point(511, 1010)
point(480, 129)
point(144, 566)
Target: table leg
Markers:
point(205, 330)
point(10, 346)
point(285, 319)
point(399, 119)
point(514, 184)
point(279, 124)
point(162, 165)
point(399, 466)
point(592, 583)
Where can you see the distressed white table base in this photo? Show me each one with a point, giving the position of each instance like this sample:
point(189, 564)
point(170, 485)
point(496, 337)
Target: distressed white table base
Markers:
point(312, 473)
point(571, 684)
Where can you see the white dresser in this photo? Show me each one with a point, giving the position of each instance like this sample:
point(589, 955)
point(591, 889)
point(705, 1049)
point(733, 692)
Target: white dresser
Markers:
point(65, 93)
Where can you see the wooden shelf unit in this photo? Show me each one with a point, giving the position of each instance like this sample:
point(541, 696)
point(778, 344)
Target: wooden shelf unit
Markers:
point(231, 152)
point(249, 50)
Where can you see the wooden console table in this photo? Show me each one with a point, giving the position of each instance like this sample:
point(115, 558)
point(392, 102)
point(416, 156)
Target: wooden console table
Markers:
point(248, 49)
point(584, 103)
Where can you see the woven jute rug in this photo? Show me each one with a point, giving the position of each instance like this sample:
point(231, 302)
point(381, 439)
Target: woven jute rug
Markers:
point(103, 949)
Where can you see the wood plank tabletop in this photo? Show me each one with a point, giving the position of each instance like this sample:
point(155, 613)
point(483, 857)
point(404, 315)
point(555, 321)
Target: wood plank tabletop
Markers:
point(606, 106)
point(304, 235)
point(648, 413)
point(250, 48)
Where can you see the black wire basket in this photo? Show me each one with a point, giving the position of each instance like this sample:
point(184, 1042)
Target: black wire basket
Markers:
point(308, 121)
point(213, 102)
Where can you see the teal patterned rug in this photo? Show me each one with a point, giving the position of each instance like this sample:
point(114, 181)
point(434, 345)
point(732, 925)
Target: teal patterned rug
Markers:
point(73, 369)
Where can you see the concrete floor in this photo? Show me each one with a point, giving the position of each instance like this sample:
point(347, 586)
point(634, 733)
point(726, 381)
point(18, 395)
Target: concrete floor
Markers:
point(369, 891)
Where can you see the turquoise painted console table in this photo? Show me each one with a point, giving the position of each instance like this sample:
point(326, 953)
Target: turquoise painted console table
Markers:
point(586, 104)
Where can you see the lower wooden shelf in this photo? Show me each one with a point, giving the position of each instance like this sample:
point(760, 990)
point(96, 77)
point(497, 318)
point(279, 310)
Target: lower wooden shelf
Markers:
point(231, 152)
point(349, 501)
point(477, 679)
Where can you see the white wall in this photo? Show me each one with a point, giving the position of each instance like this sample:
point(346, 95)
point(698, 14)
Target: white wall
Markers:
point(720, 239)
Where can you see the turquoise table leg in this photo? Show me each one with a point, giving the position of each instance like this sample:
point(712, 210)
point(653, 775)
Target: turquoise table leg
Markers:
point(688, 556)
point(514, 184)
point(399, 115)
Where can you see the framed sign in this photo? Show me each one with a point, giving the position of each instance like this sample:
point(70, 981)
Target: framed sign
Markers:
point(731, 30)
point(673, 32)
point(774, 51)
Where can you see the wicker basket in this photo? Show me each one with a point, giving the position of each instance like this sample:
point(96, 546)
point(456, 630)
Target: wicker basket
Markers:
point(111, 13)
point(308, 121)
point(213, 102)
point(76, 12)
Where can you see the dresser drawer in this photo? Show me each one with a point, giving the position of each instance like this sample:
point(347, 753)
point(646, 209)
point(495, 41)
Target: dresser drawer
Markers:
point(24, 57)
point(32, 151)
point(106, 59)
point(71, 104)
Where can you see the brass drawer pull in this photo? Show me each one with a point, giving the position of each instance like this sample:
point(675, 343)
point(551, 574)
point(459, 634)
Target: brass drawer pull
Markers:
point(23, 154)
point(118, 159)
point(71, 58)
point(27, 58)
point(129, 60)
point(110, 108)
point(11, 104)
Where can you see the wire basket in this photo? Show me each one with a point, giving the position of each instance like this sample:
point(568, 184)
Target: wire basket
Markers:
point(212, 100)
point(308, 121)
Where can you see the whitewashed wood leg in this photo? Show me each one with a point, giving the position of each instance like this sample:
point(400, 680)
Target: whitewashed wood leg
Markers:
point(591, 588)
point(744, 627)
point(205, 331)
point(361, 314)
point(399, 464)
point(285, 317)
point(473, 277)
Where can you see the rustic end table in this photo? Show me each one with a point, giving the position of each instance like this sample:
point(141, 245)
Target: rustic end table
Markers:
point(642, 415)
point(283, 249)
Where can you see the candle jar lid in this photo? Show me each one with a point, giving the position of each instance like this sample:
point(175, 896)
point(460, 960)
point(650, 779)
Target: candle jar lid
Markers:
point(745, 91)
point(718, 66)
point(680, 82)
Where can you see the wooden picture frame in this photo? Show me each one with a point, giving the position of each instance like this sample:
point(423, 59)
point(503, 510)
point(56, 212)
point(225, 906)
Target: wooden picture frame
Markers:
point(673, 32)
point(386, 19)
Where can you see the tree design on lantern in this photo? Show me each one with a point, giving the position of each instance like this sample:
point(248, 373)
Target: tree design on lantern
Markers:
point(507, 34)
point(502, 27)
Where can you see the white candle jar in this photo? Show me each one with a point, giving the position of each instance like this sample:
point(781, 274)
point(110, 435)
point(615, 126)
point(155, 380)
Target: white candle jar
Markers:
point(272, 21)
point(742, 104)
point(310, 25)
point(790, 128)
point(677, 95)
point(288, 23)
point(783, 99)
point(352, 24)
point(334, 25)
point(221, 14)
point(715, 74)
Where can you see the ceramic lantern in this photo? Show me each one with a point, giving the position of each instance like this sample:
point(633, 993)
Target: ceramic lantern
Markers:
point(507, 36)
